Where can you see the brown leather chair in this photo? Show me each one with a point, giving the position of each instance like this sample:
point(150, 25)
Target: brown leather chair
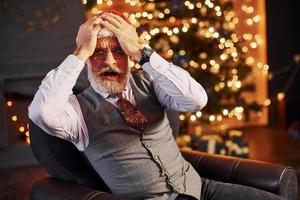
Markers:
point(73, 177)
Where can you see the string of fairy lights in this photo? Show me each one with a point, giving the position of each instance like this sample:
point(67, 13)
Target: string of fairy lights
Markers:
point(22, 129)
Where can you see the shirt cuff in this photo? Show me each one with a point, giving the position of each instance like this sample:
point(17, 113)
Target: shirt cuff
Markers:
point(157, 65)
point(72, 64)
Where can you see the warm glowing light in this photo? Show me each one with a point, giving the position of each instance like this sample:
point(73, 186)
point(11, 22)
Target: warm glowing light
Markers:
point(244, 49)
point(109, 3)
point(27, 140)
point(257, 18)
point(184, 29)
point(217, 8)
point(224, 56)
point(225, 112)
point(239, 109)
point(203, 66)
point(280, 96)
point(181, 117)
point(234, 54)
point(14, 118)
point(167, 11)
point(203, 55)
point(161, 15)
point(172, 19)
point(94, 10)
point(193, 117)
point(169, 33)
point(175, 30)
point(182, 52)
point(27, 133)
point(187, 3)
point(249, 22)
point(266, 67)
point(259, 114)
point(191, 6)
point(22, 129)
point(198, 113)
point(212, 118)
point(249, 60)
point(253, 45)
point(267, 102)
point(170, 52)
point(84, 2)
point(9, 103)
point(238, 84)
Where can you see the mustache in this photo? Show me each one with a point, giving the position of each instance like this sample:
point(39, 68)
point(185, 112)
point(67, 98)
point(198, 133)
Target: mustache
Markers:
point(112, 68)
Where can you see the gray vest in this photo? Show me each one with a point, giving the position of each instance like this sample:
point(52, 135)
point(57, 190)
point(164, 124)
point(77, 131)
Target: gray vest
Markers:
point(136, 165)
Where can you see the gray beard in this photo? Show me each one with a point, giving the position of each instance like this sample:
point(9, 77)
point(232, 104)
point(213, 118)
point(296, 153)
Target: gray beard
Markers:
point(111, 87)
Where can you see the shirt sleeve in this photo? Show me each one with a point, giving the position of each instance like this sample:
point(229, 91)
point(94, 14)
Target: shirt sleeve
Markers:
point(54, 107)
point(174, 87)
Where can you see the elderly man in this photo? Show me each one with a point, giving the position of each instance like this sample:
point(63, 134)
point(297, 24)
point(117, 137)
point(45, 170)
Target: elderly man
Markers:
point(119, 122)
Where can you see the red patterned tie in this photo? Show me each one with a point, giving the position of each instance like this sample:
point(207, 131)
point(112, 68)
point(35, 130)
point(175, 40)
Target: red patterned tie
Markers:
point(131, 115)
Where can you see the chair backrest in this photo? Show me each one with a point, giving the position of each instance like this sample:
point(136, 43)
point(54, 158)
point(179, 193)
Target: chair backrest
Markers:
point(62, 160)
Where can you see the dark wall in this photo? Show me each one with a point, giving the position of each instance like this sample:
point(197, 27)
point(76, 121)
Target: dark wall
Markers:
point(283, 41)
point(27, 56)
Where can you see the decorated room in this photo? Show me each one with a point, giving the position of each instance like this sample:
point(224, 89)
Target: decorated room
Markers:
point(149, 99)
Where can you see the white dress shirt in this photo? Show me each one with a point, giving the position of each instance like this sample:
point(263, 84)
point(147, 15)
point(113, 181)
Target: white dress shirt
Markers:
point(57, 111)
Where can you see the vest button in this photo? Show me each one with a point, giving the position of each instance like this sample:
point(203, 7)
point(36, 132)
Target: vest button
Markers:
point(155, 157)
point(148, 145)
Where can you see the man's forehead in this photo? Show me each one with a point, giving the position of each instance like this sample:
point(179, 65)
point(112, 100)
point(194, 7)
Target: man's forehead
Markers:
point(104, 42)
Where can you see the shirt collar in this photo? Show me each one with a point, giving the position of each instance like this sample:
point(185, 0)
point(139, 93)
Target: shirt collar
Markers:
point(106, 94)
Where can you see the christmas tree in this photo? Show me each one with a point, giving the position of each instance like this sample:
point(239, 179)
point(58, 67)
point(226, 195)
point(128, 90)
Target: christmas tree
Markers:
point(199, 35)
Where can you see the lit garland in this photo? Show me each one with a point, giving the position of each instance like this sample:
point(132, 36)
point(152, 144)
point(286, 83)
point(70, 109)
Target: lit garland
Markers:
point(224, 69)
point(23, 129)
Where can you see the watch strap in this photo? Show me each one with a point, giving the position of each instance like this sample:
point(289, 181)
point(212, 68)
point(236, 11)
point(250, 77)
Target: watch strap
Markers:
point(146, 53)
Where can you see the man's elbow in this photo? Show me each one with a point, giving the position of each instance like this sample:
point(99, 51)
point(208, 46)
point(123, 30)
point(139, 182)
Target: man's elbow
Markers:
point(202, 101)
point(199, 100)
point(40, 115)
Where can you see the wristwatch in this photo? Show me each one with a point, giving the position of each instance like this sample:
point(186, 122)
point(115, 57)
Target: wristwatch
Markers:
point(146, 53)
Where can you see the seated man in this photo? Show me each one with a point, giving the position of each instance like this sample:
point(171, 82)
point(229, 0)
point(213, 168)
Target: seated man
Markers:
point(119, 122)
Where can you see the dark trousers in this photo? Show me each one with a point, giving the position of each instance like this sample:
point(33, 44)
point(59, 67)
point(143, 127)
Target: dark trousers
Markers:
point(214, 190)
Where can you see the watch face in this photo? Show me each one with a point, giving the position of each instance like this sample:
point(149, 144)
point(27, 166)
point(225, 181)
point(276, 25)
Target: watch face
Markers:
point(147, 51)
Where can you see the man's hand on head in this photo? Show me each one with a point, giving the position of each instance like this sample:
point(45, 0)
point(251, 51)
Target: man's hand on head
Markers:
point(125, 33)
point(86, 39)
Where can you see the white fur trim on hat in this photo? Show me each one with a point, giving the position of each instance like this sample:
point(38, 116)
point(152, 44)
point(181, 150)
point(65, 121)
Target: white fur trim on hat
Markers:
point(104, 32)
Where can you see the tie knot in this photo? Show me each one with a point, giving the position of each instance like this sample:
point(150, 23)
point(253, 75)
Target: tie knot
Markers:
point(113, 96)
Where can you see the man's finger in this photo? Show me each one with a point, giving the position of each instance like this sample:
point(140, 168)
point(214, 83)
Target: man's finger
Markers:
point(112, 20)
point(117, 17)
point(94, 21)
point(122, 18)
point(109, 26)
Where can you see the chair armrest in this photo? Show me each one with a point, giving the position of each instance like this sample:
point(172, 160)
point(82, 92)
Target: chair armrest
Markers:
point(278, 179)
point(57, 189)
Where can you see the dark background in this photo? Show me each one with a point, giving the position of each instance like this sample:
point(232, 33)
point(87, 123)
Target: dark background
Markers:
point(283, 43)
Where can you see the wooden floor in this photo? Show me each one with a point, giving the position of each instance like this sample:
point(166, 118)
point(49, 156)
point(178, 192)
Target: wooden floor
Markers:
point(265, 144)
